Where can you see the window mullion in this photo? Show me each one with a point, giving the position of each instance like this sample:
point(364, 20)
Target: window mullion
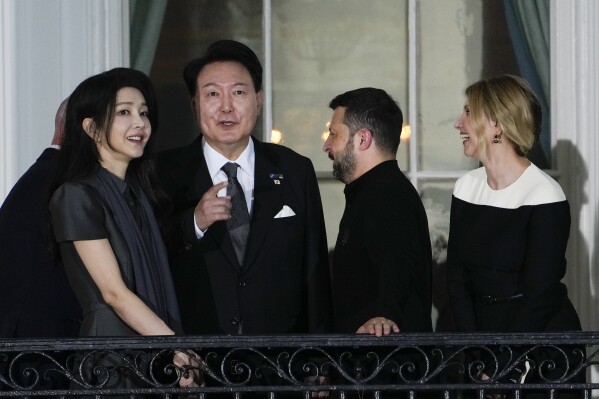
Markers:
point(267, 81)
point(412, 91)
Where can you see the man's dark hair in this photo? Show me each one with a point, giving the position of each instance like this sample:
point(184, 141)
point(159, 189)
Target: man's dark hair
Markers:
point(224, 50)
point(375, 110)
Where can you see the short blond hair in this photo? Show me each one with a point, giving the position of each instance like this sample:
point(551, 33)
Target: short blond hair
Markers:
point(510, 102)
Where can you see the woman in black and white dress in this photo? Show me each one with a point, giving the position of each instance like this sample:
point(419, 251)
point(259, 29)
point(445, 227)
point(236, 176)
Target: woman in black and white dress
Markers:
point(510, 221)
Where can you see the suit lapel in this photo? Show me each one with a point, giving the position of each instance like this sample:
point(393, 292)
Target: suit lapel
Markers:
point(268, 199)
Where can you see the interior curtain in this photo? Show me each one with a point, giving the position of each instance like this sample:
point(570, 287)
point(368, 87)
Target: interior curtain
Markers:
point(528, 25)
point(145, 19)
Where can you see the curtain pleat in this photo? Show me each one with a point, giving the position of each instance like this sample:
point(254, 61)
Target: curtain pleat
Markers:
point(528, 25)
point(145, 17)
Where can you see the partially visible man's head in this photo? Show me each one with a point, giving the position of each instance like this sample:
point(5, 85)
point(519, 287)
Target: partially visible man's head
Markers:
point(375, 110)
point(59, 121)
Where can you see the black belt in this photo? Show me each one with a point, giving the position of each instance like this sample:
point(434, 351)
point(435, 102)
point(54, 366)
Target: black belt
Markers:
point(493, 299)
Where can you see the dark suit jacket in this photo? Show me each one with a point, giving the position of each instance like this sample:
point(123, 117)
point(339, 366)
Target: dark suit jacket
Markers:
point(284, 285)
point(36, 299)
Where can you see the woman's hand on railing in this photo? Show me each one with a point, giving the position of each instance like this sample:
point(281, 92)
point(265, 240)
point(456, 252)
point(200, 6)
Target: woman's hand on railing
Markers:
point(320, 380)
point(190, 363)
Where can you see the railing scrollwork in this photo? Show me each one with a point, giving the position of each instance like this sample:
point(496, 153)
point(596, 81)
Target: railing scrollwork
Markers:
point(443, 363)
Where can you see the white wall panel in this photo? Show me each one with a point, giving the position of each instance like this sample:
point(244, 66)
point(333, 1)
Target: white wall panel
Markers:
point(7, 94)
point(48, 47)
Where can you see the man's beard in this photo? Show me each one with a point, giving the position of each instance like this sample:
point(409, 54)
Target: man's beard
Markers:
point(344, 165)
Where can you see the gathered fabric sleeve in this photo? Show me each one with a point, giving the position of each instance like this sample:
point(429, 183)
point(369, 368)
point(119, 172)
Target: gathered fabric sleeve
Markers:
point(77, 213)
point(544, 266)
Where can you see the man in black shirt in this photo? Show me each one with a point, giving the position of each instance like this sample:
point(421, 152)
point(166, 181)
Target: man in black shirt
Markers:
point(382, 268)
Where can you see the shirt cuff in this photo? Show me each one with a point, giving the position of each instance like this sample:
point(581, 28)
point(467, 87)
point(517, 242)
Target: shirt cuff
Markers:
point(199, 232)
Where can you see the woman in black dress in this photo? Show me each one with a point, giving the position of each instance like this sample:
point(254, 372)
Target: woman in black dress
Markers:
point(102, 214)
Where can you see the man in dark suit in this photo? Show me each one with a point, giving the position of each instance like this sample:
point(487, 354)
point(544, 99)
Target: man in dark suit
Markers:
point(270, 273)
point(36, 299)
point(382, 264)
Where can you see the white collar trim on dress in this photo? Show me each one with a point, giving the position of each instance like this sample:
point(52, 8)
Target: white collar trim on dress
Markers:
point(533, 187)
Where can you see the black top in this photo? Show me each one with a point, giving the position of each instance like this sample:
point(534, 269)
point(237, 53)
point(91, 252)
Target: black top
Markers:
point(79, 212)
point(382, 263)
point(506, 255)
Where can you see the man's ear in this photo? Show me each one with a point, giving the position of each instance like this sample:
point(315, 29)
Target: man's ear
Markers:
point(260, 100)
point(365, 137)
point(192, 103)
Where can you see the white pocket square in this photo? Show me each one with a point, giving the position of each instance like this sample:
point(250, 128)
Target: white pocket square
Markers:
point(285, 212)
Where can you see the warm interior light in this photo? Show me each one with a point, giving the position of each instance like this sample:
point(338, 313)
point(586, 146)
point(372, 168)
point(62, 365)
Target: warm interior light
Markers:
point(276, 136)
point(406, 132)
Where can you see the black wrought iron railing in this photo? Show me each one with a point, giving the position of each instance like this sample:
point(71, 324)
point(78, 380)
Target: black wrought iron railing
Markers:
point(480, 366)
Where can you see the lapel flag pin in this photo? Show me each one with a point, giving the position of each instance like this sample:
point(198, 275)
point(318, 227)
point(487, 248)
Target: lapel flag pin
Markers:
point(276, 177)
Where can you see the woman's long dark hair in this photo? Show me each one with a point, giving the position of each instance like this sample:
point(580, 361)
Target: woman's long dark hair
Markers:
point(95, 98)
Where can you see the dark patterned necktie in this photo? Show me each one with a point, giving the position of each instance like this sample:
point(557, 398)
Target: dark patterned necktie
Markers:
point(239, 224)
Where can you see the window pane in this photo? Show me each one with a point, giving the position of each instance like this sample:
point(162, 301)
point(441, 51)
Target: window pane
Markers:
point(324, 48)
point(450, 48)
point(474, 39)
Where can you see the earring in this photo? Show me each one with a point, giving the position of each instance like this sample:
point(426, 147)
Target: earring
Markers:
point(497, 139)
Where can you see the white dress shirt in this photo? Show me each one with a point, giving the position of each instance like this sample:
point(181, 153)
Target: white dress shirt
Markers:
point(245, 173)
